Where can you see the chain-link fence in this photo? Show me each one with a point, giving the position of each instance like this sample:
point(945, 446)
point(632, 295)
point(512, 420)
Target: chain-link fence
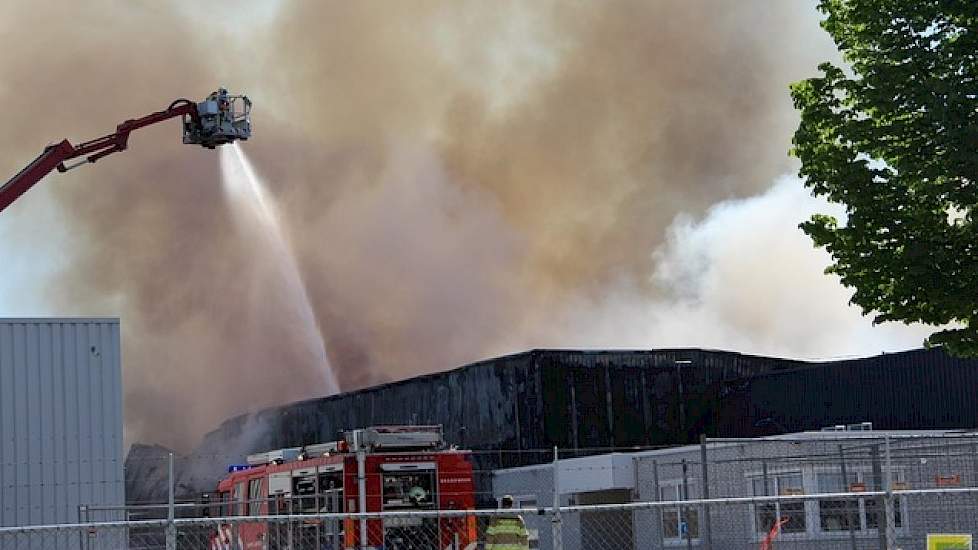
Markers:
point(847, 521)
point(901, 487)
point(844, 521)
point(851, 491)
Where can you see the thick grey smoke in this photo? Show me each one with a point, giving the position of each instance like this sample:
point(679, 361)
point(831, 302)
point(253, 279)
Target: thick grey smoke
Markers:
point(457, 179)
point(743, 278)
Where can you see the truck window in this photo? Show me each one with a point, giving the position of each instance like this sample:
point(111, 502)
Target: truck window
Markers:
point(254, 497)
point(238, 500)
point(331, 492)
point(304, 495)
point(414, 489)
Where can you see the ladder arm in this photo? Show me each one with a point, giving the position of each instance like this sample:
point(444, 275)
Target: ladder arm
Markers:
point(54, 156)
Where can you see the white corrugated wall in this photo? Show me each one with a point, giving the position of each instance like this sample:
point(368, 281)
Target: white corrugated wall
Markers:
point(60, 418)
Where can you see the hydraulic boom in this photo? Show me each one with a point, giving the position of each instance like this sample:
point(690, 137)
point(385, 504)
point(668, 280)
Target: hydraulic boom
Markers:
point(219, 119)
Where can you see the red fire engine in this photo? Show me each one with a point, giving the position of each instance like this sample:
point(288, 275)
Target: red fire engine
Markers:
point(377, 469)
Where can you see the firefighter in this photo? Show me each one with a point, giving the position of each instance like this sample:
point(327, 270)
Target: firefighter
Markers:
point(507, 532)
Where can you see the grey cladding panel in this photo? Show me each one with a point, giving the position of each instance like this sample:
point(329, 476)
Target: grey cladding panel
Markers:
point(60, 418)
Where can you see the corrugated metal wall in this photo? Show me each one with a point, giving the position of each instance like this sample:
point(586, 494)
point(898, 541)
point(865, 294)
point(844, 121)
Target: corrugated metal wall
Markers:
point(601, 399)
point(918, 389)
point(60, 418)
point(593, 400)
point(527, 402)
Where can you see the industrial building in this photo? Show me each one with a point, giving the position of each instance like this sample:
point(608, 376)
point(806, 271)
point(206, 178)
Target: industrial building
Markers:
point(790, 464)
point(530, 401)
point(518, 406)
point(60, 419)
point(513, 410)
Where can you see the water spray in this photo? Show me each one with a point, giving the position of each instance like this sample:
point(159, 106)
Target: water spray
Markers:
point(255, 210)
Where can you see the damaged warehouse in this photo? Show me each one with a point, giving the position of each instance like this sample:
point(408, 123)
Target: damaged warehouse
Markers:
point(512, 410)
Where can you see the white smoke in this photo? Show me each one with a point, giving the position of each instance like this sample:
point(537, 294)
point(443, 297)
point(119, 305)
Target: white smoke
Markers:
point(744, 278)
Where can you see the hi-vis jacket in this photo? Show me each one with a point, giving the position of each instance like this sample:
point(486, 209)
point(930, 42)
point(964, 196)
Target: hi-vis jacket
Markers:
point(507, 533)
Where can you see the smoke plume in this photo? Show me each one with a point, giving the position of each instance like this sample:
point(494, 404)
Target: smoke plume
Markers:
point(458, 179)
point(742, 278)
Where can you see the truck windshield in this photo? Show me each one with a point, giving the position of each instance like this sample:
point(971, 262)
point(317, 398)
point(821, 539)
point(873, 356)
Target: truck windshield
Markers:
point(415, 489)
point(304, 494)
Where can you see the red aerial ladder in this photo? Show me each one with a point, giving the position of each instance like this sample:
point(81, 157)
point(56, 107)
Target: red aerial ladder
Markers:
point(221, 118)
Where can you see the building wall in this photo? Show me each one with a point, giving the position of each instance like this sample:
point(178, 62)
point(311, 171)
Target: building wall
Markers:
point(938, 387)
point(588, 400)
point(597, 400)
point(513, 410)
point(60, 418)
point(537, 399)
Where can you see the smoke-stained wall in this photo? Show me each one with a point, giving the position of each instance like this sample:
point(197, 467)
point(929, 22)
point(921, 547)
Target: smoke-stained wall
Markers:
point(912, 390)
point(513, 410)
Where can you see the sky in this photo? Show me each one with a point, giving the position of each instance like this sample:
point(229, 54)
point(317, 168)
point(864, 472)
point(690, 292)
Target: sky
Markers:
point(457, 181)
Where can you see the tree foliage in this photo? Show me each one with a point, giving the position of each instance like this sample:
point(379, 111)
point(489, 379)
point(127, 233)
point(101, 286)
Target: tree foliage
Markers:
point(894, 137)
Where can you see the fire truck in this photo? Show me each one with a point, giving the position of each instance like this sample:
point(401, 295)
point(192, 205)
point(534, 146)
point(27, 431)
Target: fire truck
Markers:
point(376, 469)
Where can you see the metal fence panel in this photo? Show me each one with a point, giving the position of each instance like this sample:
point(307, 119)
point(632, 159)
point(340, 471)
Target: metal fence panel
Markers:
point(843, 521)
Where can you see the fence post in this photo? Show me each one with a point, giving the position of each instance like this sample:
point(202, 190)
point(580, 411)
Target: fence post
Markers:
point(684, 511)
point(557, 531)
point(974, 464)
point(707, 535)
point(358, 444)
point(874, 452)
point(767, 481)
point(82, 518)
point(845, 485)
point(171, 528)
point(657, 498)
point(890, 515)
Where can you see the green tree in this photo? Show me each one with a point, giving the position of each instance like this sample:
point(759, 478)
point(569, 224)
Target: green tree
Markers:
point(894, 138)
